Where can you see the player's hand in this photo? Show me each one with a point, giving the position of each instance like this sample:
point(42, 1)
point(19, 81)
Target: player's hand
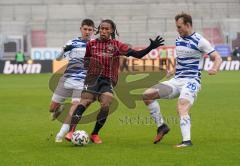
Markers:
point(67, 48)
point(212, 71)
point(159, 41)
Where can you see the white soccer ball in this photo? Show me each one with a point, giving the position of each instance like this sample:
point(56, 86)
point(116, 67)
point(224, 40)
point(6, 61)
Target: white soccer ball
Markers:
point(80, 137)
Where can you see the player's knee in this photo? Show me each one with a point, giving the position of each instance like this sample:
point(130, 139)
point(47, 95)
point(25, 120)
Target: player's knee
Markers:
point(54, 106)
point(75, 104)
point(105, 104)
point(183, 107)
point(86, 102)
point(148, 96)
point(106, 100)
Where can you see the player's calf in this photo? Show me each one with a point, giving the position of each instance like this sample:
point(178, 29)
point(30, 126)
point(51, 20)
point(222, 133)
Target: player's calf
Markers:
point(56, 109)
point(183, 108)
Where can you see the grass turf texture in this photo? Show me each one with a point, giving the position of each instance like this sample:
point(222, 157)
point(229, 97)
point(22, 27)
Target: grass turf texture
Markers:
point(27, 135)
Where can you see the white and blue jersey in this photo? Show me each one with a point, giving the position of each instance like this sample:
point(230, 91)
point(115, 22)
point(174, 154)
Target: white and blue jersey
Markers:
point(189, 51)
point(72, 81)
point(75, 55)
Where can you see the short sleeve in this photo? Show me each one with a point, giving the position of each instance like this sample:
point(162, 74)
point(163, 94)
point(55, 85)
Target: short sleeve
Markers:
point(205, 46)
point(123, 48)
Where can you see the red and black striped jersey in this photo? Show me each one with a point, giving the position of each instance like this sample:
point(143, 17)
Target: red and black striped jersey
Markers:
point(102, 58)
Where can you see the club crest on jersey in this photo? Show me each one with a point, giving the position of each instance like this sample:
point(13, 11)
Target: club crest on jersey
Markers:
point(110, 48)
point(189, 44)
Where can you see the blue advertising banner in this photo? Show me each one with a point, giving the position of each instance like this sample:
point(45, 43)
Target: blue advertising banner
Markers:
point(224, 50)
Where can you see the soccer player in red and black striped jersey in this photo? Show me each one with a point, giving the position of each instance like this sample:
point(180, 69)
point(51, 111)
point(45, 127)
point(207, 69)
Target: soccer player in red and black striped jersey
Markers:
point(102, 62)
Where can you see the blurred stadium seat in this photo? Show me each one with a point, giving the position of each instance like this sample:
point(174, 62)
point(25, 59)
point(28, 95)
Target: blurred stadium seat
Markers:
point(137, 20)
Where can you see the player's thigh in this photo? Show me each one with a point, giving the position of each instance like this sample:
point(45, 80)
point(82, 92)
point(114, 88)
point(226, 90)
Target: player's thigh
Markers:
point(58, 98)
point(190, 90)
point(167, 89)
point(61, 93)
point(158, 91)
point(87, 98)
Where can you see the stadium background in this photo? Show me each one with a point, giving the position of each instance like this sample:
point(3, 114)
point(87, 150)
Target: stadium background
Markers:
point(29, 24)
point(40, 27)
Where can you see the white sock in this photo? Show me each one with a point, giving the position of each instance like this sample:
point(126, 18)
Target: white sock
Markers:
point(64, 129)
point(155, 113)
point(185, 125)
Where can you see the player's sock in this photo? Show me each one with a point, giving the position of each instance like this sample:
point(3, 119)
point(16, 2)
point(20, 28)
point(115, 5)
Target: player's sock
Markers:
point(155, 113)
point(64, 129)
point(185, 125)
point(77, 115)
point(101, 119)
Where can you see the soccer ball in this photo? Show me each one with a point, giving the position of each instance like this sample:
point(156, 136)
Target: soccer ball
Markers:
point(80, 137)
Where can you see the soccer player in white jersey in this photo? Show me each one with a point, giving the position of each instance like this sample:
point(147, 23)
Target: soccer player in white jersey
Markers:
point(71, 83)
point(190, 48)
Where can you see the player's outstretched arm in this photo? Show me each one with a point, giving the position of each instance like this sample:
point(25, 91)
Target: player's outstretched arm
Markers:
point(217, 60)
point(159, 41)
point(65, 49)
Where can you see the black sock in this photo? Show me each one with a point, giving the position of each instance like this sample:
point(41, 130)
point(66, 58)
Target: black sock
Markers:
point(101, 119)
point(76, 117)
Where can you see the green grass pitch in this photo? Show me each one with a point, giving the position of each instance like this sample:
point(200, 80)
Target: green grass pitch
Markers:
point(27, 134)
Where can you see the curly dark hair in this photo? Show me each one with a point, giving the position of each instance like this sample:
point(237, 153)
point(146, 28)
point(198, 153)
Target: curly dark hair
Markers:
point(113, 25)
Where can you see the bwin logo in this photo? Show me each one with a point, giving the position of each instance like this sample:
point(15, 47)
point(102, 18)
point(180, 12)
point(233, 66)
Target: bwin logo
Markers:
point(21, 68)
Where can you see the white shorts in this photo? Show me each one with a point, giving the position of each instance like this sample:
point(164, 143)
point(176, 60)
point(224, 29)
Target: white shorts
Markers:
point(183, 88)
point(68, 88)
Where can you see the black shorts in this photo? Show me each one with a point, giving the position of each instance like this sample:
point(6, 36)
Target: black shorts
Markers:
point(98, 86)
